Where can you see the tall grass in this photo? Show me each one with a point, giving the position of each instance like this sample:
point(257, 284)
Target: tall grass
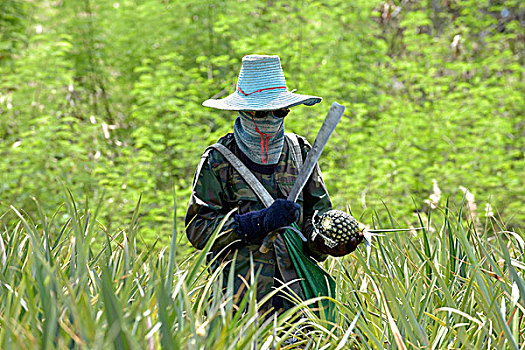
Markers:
point(454, 284)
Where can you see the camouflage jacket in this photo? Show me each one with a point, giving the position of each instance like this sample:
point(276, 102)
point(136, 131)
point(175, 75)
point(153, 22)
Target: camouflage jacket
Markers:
point(218, 188)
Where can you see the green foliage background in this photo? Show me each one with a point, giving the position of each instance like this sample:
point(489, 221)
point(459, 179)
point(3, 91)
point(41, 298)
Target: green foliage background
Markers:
point(106, 95)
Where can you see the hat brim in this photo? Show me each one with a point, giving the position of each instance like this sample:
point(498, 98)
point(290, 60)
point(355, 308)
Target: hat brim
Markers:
point(264, 101)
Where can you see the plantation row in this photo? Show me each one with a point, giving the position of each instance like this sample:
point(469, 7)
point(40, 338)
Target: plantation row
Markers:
point(79, 286)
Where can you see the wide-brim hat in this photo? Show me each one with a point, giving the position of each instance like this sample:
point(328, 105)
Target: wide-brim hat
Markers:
point(261, 86)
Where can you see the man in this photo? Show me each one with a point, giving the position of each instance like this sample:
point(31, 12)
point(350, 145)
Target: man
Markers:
point(262, 101)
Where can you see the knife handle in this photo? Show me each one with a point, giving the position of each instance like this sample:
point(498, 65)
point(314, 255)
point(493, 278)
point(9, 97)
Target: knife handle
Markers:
point(268, 240)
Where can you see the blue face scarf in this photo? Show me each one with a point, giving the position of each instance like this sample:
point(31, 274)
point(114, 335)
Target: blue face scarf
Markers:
point(260, 139)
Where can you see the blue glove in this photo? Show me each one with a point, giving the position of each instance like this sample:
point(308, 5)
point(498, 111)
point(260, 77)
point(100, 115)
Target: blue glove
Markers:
point(255, 225)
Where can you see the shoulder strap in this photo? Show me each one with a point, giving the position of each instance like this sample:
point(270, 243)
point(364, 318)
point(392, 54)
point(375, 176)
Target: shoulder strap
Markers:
point(295, 148)
point(246, 174)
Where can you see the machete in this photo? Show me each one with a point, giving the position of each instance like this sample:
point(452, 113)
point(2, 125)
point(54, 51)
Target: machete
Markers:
point(332, 119)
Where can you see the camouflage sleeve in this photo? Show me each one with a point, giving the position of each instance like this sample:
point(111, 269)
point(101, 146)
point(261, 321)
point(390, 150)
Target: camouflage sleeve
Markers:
point(316, 198)
point(206, 209)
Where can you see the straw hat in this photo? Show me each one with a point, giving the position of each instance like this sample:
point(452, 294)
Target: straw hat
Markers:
point(261, 87)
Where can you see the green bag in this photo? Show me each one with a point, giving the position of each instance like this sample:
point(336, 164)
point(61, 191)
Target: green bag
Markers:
point(315, 281)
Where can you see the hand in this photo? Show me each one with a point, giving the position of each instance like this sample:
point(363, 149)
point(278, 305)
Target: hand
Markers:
point(340, 249)
point(255, 225)
point(281, 213)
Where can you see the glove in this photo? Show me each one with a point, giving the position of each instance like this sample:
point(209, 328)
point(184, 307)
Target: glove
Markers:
point(340, 249)
point(255, 225)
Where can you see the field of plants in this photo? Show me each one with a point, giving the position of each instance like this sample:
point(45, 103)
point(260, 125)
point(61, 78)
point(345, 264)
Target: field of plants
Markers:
point(106, 95)
point(101, 128)
point(458, 283)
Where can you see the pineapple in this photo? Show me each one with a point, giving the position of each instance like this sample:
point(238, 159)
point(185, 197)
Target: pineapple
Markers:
point(335, 227)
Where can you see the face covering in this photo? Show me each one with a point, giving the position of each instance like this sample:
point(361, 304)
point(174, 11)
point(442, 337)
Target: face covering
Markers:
point(260, 139)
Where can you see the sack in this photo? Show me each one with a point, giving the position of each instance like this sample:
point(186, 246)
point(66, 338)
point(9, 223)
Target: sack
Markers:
point(315, 281)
